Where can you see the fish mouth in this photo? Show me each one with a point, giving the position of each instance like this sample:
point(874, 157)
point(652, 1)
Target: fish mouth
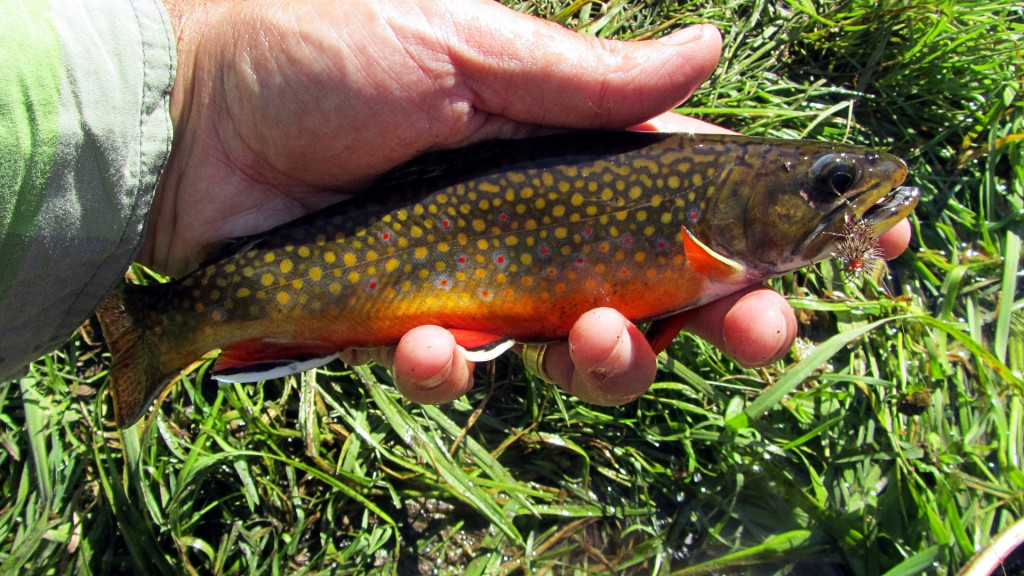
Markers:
point(882, 215)
point(893, 207)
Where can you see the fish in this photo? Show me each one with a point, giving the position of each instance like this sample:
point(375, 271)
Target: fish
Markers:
point(502, 242)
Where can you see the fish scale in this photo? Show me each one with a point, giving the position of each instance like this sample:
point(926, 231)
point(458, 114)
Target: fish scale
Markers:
point(503, 240)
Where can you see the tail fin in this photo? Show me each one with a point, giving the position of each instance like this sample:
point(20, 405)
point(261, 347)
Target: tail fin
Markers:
point(137, 373)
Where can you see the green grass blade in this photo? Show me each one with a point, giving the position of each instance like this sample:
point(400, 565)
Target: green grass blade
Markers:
point(798, 373)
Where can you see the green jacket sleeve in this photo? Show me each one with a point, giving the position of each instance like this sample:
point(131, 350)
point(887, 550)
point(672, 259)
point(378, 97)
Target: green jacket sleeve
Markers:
point(84, 98)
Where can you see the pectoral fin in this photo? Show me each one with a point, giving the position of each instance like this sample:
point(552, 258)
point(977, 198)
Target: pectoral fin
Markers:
point(706, 261)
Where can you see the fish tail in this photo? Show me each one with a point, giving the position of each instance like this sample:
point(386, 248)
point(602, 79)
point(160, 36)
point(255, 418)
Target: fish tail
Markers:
point(138, 373)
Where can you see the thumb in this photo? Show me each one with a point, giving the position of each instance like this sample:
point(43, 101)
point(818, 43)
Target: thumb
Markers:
point(534, 72)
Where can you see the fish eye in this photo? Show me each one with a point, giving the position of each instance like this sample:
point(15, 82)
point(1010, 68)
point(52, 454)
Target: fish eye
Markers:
point(834, 175)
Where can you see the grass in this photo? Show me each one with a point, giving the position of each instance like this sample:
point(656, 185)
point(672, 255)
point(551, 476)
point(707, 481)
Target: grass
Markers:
point(888, 442)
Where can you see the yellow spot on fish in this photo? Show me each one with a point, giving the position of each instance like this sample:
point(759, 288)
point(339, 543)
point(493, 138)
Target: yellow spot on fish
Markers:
point(242, 293)
point(353, 276)
point(267, 279)
point(576, 199)
point(526, 259)
point(334, 288)
point(283, 297)
point(558, 211)
point(349, 259)
point(286, 266)
point(415, 231)
point(391, 265)
point(329, 257)
point(420, 252)
point(297, 284)
point(269, 257)
point(482, 244)
point(304, 251)
point(315, 274)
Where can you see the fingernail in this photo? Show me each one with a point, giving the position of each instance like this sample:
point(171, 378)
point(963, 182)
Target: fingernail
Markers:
point(688, 35)
point(619, 356)
point(435, 380)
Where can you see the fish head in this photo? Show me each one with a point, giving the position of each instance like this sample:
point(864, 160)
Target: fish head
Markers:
point(786, 205)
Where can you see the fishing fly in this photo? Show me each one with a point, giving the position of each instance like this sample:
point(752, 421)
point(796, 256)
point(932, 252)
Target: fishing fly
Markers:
point(857, 248)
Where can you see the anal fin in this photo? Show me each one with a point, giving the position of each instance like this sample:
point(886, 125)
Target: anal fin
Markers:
point(254, 361)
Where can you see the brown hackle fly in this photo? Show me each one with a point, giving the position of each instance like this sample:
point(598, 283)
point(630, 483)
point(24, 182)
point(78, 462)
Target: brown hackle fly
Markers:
point(858, 249)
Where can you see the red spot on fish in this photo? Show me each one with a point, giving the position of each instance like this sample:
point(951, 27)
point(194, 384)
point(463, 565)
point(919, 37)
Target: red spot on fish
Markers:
point(500, 260)
point(385, 236)
point(628, 239)
point(580, 260)
point(446, 223)
point(551, 272)
point(372, 285)
point(443, 283)
point(693, 215)
point(486, 294)
point(623, 271)
point(502, 217)
point(588, 232)
point(461, 259)
point(544, 250)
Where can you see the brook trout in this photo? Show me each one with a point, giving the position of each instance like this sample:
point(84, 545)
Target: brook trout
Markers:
point(505, 241)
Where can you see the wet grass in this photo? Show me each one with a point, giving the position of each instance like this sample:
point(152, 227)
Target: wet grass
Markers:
point(888, 442)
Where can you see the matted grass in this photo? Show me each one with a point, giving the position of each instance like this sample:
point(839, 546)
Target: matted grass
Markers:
point(888, 442)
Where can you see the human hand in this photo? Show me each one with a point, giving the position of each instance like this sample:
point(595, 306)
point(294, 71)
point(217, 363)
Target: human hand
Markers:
point(280, 109)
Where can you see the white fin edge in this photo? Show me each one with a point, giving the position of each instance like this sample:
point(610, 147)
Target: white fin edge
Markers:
point(275, 371)
point(489, 353)
point(730, 263)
